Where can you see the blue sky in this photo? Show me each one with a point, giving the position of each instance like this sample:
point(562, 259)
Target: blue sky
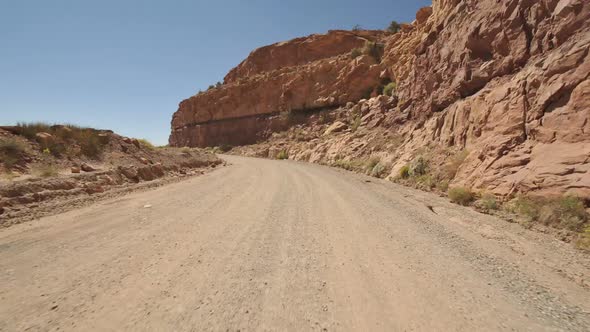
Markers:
point(126, 64)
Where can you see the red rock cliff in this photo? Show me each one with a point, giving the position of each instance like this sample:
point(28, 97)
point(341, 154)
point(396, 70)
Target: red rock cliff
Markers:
point(304, 73)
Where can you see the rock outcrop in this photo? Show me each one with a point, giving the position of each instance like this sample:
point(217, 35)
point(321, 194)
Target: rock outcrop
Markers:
point(506, 82)
point(298, 75)
point(509, 82)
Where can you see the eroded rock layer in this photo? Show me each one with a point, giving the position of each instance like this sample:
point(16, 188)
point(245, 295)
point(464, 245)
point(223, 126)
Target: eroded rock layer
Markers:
point(508, 82)
point(302, 74)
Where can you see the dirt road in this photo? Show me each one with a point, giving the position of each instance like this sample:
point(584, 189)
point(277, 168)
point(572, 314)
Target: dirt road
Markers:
point(282, 246)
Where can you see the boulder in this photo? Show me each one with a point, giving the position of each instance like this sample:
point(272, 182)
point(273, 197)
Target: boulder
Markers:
point(87, 168)
point(336, 127)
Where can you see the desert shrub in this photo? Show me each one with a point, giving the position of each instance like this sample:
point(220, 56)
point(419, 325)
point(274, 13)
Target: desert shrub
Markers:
point(526, 207)
point(378, 170)
point(426, 181)
point(144, 143)
point(355, 123)
point(584, 239)
point(29, 130)
point(404, 172)
point(454, 164)
point(373, 49)
point(355, 53)
point(389, 89)
point(419, 167)
point(461, 196)
point(442, 185)
point(489, 202)
point(563, 212)
point(90, 144)
point(46, 171)
point(225, 148)
point(89, 140)
point(394, 27)
point(282, 155)
point(370, 164)
point(10, 152)
point(349, 165)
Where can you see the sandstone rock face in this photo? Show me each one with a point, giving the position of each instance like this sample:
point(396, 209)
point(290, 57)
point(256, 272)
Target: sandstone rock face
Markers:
point(299, 75)
point(506, 81)
point(509, 82)
point(300, 51)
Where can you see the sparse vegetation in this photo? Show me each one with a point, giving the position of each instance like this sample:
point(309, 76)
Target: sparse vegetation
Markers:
point(46, 171)
point(566, 212)
point(389, 89)
point(282, 155)
point(370, 164)
point(404, 172)
point(355, 123)
point(10, 152)
point(64, 138)
point(419, 167)
point(349, 165)
point(584, 239)
point(442, 185)
point(144, 143)
point(426, 182)
point(355, 53)
point(394, 27)
point(373, 49)
point(357, 28)
point(488, 202)
point(379, 170)
point(225, 148)
point(461, 196)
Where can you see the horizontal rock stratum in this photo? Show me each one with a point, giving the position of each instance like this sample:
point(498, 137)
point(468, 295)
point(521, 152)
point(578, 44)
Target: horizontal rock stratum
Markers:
point(506, 81)
point(301, 74)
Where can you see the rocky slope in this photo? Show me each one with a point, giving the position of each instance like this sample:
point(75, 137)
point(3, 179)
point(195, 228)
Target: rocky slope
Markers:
point(47, 169)
point(297, 75)
point(503, 84)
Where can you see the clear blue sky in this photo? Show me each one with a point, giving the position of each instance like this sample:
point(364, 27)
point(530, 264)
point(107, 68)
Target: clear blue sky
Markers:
point(126, 64)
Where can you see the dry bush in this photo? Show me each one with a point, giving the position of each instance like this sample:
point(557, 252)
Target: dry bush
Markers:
point(46, 171)
point(488, 202)
point(460, 195)
point(282, 155)
point(355, 123)
point(146, 144)
point(389, 89)
point(63, 136)
point(355, 53)
point(370, 164)
point(11, 151)
point(349, 165)
point(566, 212)
point(404, 172)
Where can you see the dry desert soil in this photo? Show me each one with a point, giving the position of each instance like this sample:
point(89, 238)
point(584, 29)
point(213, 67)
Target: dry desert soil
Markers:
point(271, 245)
